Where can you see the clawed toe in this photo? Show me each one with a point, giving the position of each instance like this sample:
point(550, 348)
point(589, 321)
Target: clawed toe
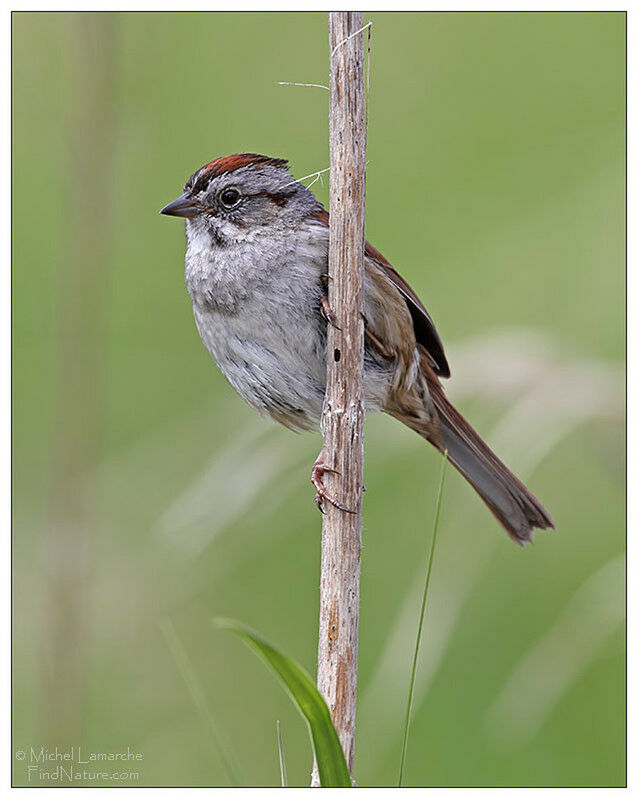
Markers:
point(318, 471)
point(328, 314)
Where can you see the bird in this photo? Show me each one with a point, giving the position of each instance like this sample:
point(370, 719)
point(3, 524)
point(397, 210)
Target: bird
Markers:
point(256, 270)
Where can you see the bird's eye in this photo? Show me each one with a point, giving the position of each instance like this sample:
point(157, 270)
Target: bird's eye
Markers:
point(230, 197)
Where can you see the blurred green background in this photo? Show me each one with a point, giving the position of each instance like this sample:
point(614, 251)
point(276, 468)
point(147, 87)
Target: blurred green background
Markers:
point(147, 495)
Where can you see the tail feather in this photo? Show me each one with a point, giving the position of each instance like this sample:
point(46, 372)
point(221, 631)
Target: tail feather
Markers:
point(516, 508)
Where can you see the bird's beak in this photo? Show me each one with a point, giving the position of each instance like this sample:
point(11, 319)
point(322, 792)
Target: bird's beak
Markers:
point(182, 206)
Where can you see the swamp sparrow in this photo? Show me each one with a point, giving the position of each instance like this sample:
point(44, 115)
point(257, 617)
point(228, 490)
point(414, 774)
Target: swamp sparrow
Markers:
point(256, 272)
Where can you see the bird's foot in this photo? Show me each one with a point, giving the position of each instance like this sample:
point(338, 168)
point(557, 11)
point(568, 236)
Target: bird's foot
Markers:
point(318, 471)
point(328, 314)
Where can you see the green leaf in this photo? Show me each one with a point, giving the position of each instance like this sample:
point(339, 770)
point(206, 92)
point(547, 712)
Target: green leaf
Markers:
point(331, 762)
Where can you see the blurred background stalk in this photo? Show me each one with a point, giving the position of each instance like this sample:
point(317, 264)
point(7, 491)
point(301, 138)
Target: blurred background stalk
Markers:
point(78, 420)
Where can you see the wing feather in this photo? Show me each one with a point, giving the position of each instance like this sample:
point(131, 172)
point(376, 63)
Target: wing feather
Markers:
point(424, 329)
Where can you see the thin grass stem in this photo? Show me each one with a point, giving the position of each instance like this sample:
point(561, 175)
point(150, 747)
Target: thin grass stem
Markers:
point(282, 758)
point(417, 645)
point(196, 691)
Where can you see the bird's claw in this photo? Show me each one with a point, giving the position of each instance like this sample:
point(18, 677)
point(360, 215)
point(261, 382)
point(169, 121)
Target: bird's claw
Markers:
point(328, 314)
point(318, 471)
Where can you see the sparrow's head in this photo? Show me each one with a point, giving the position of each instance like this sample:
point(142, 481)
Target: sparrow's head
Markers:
point(233, 196)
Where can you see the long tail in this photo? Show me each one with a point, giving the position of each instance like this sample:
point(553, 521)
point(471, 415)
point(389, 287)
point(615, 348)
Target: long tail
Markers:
point(512, 504)
point(516, 508)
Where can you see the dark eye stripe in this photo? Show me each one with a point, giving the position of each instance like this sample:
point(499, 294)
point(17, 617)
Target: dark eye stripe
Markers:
point(278, 198)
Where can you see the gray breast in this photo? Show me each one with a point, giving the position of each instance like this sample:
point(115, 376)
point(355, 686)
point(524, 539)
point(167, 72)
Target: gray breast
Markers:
point(261, 322)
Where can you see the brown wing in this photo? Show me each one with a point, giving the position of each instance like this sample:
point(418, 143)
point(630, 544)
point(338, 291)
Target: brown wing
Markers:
point(424, 329)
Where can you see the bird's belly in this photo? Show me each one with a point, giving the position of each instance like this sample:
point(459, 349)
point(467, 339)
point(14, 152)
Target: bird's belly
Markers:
point(278, 363)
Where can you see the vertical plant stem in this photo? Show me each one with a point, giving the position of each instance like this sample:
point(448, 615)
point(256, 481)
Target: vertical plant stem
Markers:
point(199, 700)
point(343, 413)
point(282, 758)
point(417, 645)
point(80, 344)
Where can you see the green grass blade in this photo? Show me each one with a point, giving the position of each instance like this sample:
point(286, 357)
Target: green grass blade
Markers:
point(194, 687)
point(331, 762)
point(417, 645)
point(282, 758)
